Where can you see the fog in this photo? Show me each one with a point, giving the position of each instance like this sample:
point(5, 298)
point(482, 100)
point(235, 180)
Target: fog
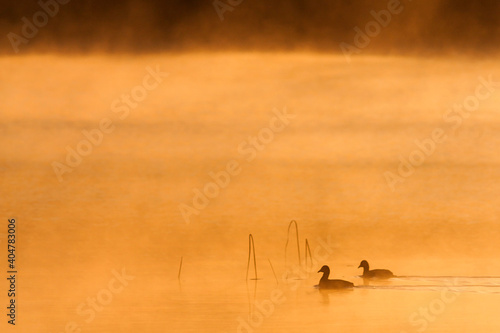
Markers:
point(427, 26)
point(141, 142)
point(120, 206)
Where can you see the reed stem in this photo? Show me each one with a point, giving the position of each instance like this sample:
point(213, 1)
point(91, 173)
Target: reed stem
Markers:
point(180, 268)
point(288, 238)
point(273, 271)
point(251, 246)
point(308, 250)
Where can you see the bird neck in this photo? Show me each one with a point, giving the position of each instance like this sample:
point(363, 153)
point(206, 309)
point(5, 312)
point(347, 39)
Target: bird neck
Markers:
point(366, 269)
point(325, 276)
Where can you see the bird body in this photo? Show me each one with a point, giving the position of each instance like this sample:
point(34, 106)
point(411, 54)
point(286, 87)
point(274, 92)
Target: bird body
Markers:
point(325, 283)
point(374, 273)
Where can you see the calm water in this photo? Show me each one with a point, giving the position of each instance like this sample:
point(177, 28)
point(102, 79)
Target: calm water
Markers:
point(119, 209)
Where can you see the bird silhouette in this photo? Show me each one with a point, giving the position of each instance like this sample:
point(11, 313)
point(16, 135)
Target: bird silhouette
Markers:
point(325, 283)
point(374, 273)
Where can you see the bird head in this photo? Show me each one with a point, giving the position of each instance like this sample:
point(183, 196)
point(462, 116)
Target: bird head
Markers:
point(363, 264)
point(324, 269)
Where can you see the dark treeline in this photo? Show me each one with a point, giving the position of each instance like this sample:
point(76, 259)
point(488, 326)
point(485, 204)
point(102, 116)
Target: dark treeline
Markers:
point(154, 25)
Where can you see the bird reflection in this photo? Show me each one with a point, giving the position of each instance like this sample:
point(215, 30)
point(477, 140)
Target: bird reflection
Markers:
point(325, 293)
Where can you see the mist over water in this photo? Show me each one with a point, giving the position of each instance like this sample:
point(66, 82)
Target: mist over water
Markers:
point(138, 135)
point(419, 27)
point(120, 207)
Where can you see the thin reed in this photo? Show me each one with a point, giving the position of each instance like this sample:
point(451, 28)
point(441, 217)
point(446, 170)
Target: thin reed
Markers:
point(251, 246)
point(180, 269)
point(308, 253)
point(288, 239)
point(272, 268)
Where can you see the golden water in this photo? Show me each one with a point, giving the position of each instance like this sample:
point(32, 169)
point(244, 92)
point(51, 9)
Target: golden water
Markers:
point(119, 209)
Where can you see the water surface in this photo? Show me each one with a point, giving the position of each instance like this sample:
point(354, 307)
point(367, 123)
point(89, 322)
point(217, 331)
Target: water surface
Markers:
point(119, 209)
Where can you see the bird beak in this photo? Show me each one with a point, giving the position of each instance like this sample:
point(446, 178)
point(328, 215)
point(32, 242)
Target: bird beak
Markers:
point(320, 271)
point(359, 266)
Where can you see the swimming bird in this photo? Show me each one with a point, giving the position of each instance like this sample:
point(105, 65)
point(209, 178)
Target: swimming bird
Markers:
point(374, 273)
point(325, 283)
